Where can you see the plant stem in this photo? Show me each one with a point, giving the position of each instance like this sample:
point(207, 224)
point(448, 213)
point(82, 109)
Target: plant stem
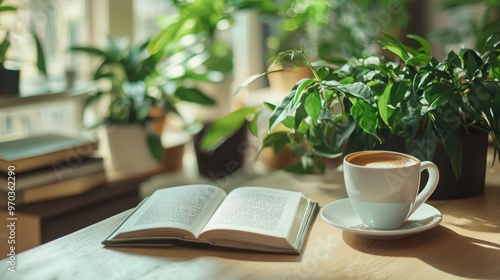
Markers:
point(309, 63)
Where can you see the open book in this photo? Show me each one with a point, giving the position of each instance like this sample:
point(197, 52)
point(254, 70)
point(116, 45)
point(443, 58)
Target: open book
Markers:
point(254, 218)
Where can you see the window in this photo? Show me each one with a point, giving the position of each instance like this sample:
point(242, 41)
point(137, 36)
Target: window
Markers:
point(58, 23)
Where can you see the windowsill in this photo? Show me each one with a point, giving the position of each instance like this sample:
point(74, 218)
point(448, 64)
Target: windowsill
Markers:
point(38, 94)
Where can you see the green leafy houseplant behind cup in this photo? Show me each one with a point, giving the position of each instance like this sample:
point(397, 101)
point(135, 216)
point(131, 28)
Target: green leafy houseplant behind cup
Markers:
point(427, 101)
point(369, 100)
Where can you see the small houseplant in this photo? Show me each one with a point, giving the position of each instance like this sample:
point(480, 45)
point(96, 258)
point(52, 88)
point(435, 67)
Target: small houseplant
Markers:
point(9, 77)
point(371, 101)
point(202, 22)
point(129, 77)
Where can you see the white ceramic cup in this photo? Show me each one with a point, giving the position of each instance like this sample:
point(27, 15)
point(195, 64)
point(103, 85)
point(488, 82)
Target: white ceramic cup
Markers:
point(383, 186)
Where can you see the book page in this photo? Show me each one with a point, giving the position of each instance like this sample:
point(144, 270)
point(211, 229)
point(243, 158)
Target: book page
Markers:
point(185, 207)
point(257, 209)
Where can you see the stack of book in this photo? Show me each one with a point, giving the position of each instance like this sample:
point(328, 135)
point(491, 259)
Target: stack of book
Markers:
point(49, 167)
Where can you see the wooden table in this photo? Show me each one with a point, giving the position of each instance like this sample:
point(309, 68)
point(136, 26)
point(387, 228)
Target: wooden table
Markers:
point(465, 245)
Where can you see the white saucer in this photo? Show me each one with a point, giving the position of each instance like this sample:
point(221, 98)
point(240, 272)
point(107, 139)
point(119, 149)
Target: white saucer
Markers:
point(341, 214)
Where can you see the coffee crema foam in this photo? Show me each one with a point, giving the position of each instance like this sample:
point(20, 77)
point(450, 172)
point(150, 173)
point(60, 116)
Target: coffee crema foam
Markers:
point(381, 160)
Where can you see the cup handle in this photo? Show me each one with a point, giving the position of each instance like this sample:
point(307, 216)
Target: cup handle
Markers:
point(429, 188)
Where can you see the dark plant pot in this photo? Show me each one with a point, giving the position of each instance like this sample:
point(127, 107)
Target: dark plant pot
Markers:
point(9, 82)
point(226, 159)
point(472, 180)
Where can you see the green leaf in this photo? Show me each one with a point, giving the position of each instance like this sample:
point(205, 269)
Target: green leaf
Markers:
point(418, 60)
point(253, 126)
point(147, 66)
point(225, 127)
point(193, 95)
point(480, 96)
point(398, 92)
point(301, 88)
point(282, 111)
point(493, 41)
point(323, 72)
point(302, 128)
point(347, 80)
point(421, 80)
point(365, 116)
point(360, 90)
point(40, 55)
point(451, 142)
point(423, 146)
point(438, 94)
point(378, 89)
point(397, 47)
point(7, 8)
point(400, 52)
point(298, 116)
point(409, 118)
point(344, 133)
point(453, 60)
point(277, 141)
point(383, 105)
point(155, 146)
point(4, 46)
point(167, 35)
point(90, 50)
point(495, 66)
point(270, 106)
point(472, 62)
point(425, 45)
point(390, 99)
point(313, 106)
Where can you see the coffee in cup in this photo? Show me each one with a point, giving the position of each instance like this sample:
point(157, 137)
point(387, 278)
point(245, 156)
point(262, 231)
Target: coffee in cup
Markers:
point(383, 186)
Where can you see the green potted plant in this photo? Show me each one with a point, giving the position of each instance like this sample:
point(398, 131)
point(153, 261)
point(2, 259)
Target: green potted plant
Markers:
point(209, 68)
point(129, 77)
point(9, 77)
point(418, 104)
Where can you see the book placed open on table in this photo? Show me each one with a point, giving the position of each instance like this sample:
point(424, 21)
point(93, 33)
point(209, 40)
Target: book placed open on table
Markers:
point(255, 218)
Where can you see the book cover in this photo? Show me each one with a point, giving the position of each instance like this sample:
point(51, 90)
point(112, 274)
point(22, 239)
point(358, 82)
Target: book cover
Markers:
point(56, 172)
point(65, 188)
point(41, 151)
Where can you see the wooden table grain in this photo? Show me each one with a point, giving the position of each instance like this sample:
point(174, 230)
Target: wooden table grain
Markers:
point(466, 245)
